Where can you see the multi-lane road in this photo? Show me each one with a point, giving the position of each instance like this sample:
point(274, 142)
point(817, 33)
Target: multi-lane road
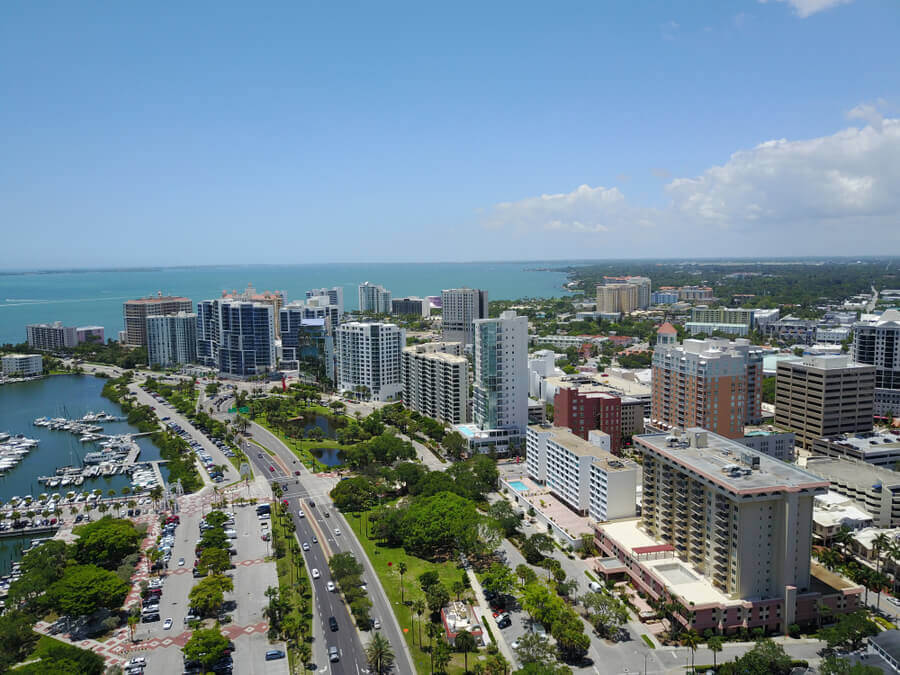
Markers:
point(315, 527)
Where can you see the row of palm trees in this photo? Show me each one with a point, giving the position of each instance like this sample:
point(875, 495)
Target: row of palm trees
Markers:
point(887, 557)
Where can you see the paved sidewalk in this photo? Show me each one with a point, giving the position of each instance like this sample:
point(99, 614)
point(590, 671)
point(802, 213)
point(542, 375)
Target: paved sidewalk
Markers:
point(485, 611)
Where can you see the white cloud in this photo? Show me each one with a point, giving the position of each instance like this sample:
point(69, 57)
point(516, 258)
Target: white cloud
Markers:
point(805, 8)
point(790, 196)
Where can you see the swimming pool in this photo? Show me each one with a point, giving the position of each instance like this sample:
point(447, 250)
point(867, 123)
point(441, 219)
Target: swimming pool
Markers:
point(518, 486)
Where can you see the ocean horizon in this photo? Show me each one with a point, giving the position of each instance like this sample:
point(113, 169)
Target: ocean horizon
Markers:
point(94, 297)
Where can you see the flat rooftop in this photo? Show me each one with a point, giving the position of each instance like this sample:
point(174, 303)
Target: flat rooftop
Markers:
point(867, 442)
point(582, 448)
point(722, 462)
point(157, 298)
point(678, 577)
point(853, 471)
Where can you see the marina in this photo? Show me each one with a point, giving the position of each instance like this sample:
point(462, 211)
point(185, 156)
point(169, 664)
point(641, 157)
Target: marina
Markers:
point(60, 455)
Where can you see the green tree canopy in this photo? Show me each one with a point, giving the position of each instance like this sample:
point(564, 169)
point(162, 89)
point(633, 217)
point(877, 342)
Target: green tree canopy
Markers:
point(206, 645)
point(215, 560)
point(433, 526)
point(106, 542)
point(354, 494)
point(83, 589)
point(208, 594)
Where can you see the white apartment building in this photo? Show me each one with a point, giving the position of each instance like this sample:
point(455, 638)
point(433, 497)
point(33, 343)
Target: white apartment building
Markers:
point(172, 339)
point(566, 341)
point(585, 476)
point(374, 298)
point(435, 381)
point(49, 336)
point(334, 296)
point(22, 365)
point(541, 365)
point(738, 517)
point(876, 342)
point(369, 356)
point(460, 307)
point(501, 373)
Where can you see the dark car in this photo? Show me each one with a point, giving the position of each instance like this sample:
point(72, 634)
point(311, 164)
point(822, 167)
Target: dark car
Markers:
point(332, 624)
point(274, 655)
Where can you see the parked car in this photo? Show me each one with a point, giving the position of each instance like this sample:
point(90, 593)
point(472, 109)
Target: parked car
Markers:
point(274, 655)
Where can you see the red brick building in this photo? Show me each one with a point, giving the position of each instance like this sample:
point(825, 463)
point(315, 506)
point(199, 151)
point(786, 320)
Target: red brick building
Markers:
point(584, 409)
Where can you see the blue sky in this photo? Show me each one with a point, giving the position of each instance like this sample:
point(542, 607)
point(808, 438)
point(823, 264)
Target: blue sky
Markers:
point(301, 132)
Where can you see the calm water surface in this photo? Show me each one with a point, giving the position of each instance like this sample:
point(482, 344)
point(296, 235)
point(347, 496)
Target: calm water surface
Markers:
point(95, 297)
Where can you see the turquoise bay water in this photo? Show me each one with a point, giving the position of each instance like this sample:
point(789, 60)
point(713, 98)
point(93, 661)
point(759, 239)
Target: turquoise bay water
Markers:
point(95, 297)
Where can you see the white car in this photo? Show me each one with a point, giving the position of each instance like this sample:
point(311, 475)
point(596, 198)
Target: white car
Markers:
point(167, 624)
point(515, 644)
point(301, 514)
point(315, 573)
point(337, 531)
point(136, 661)
point(330, 586)
point(305, 546)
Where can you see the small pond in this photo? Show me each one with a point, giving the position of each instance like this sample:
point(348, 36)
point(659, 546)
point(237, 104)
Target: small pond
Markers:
point(328, 456)
point(328, 429)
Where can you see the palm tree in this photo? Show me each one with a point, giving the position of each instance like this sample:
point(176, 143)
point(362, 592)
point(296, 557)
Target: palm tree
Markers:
point(132, 622)
point(715, 645)
point(401, 570)
point(465, 642)
point(459, 588)
point(881, 544)
point(844, 537)
point(419, 607)
point(379, 654)
point(691, 639)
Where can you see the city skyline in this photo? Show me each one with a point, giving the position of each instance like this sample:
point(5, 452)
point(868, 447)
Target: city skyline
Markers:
point(643, 130)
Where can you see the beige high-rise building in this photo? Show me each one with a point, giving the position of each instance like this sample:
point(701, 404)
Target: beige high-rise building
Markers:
point(622, 298)
point(273, 298)
point(824, 396)
point(739, 517)
point(435, 381)
point(136, 312)
point(715, 384)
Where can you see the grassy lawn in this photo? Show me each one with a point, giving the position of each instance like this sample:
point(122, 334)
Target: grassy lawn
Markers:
point(380, 556)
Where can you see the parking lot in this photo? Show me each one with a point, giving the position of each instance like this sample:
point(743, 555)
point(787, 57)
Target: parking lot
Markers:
point(245, 625)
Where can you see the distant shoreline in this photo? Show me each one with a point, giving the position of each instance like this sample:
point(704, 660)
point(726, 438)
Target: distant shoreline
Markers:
point(563, 263)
